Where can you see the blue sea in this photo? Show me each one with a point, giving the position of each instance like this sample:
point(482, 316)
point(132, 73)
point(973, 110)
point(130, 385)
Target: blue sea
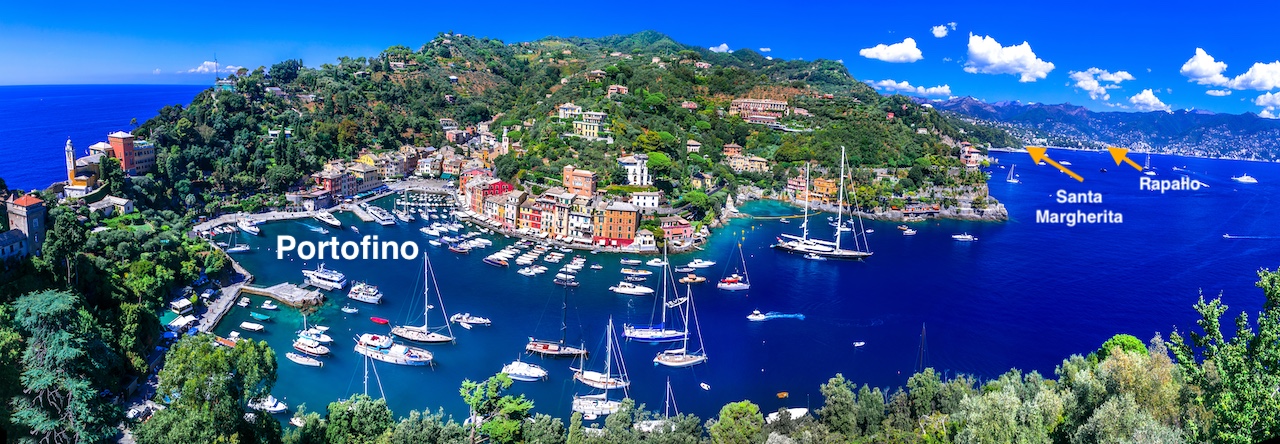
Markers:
point(35, 122)
point(1025, 295)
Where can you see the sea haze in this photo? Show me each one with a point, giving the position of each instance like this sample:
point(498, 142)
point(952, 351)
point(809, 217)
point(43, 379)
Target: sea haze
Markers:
point(35, 122)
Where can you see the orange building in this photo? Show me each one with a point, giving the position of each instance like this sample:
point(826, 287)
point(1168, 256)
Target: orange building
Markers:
point(579, 182)
point(135, 158)
point(616, 225)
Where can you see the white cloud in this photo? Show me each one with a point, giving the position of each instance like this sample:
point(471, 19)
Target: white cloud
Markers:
point(724, 47)
point(1269, 113)
point(207, 68)
point(1147, 101)
point(905, 87)
point(156, 71)
point(986, 56)
point(939, 31)
point(1218, 92)
point(952, 25)
point(1269, 100)
point(1260, 76)
point(766, 49)
point(1203, 69)
point(905, 52)
point(1093, 79)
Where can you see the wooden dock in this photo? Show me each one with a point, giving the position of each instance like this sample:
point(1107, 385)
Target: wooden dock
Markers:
point(288, 294)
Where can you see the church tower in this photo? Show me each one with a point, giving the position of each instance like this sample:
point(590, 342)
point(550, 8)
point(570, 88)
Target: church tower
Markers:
point(71, 163)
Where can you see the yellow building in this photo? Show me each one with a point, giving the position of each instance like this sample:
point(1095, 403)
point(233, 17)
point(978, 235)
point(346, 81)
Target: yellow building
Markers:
point(587, 129)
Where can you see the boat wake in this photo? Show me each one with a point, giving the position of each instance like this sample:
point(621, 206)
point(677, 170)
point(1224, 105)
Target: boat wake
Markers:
point(1236, 236)
point(776, 315)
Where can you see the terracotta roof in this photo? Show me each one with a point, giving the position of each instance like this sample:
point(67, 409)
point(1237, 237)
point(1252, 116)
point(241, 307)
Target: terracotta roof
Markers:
point(27, 200)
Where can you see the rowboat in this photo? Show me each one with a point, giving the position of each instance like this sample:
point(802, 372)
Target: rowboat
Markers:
point(259, 316)
point(378, 320)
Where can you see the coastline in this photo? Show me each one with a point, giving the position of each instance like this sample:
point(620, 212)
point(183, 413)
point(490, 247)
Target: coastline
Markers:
point(1099, 150)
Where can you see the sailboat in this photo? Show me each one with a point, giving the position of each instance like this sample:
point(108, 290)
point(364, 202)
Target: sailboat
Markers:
point(735, 281)
point(425, 333)
point(606, 380)
point(656, 332)
point(669, 404)
point(556, 349)
point(233, 247)
point(596, 404)
point(1146, 167)
point(804, 245)
point(682, 357)
point(1012, 178)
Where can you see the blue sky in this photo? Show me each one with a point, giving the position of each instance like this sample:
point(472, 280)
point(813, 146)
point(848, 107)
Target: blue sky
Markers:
point(1106, 56)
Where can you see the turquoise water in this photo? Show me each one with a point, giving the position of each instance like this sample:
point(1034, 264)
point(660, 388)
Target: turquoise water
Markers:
point(1024, 295)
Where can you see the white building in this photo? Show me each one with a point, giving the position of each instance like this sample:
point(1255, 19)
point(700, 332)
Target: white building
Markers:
point(637, 167)
point(646, 200)
point(568, 111)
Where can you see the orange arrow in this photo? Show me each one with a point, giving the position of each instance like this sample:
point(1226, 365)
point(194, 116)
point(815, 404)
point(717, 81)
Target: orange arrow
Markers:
point(1038, 154)
point(1122, 155)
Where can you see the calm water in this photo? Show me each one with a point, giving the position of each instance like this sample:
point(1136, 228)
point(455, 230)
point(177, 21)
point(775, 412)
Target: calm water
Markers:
point(1025, 295)
point(35, 122)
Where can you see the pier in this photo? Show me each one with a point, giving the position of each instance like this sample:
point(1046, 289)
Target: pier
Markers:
point(288, 294)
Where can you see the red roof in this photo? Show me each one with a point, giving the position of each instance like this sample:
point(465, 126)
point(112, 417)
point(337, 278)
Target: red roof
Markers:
point(27, 200)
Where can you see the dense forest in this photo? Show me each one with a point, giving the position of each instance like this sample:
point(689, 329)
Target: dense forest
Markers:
point(78, 324)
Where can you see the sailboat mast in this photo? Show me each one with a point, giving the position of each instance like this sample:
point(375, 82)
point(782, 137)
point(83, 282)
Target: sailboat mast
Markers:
point(666, 276)
point(608, 352)
point(564, 315)
point(426, 299)
point(840, 200)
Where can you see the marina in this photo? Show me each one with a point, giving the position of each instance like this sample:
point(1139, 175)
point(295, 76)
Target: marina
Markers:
point(806, 305)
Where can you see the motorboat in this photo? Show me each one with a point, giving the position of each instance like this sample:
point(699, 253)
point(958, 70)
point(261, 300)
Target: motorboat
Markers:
point(656, 262)
point(247, 226)
point(495, 261)
point(566, 282)
point(631, 289)
point(692, 279)
point(325, 278)
point(756, 315)
point(259, 316)
point(699, 263)
point(244, 302)
point(349, 309)
point(310, 347)
point(315, 335)
point(636, 272)
point(460, 249)
point(635, 279)
point(519, 370)
point(1244, 178)
point(378, 320)
point(381, 216)
point(597, 267)
point(964, 237)
point(328, 218)
point(251, 326)
point(909, 232)
point(268, 305)
point(363, 292)
point(269, 405)
point(814, 257)
point(468, 318)
point(625, 261)
point(683, 270)
point(859, 343)
point(301, 359)
point(382, 348)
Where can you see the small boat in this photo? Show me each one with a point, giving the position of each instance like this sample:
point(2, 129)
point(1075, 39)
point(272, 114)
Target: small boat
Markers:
point(859, 344)
point(1244, 178)
point(704, 386)
point(495, 261)
point(268, 305)
point(597, 267)
point(353, 228)
point(315, 335)
point(1102, 170)
point(629, 262)
point(326, 217)
point(656, 262)
point(699, 263)
point(349, 309)
point(251, 326)
point(244, 302)
point(784, 220)
point(247, 226)
point(636, 272)
point(363, 292)
point(964, 237)
point(903, 227)
point(297, 421)
point(459, 249)
point(467, 318)
point(310, 347)
point(269, 404)
point(635, 279)
point(378, 320)
point(909, 232)
point(814, 257)
point(566, 282)
point(683, 270)
point(304, 360)
point(259, 316)
point(523, 371)
point(631, 289)
point(1065, 163)
point(757, 316)
point(692, 279)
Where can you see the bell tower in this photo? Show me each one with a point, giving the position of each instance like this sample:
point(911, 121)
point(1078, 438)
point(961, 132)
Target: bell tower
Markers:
point(71, 163)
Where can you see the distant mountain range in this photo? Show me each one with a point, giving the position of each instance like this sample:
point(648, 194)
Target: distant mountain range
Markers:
point(1194, 132)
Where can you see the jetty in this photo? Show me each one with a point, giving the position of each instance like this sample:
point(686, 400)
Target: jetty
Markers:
point(287, 293)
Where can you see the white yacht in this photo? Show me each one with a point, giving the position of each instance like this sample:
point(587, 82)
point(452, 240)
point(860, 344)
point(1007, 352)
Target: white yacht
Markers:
point(467, 318)
point(246, 226)
point(382, 348)
point(699, 263)
point(363, 292)
point(656, 262)
point(964, 237)
point(523, 371)
point(756, 316)
point(269, 404)
point(328, 218)
point(381, 216)
point(631, 289)
point(1245, 178)
point(326, 278)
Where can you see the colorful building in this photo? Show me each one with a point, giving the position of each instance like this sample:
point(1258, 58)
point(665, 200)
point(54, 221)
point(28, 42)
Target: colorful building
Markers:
point(617, 224)
point(579, 182)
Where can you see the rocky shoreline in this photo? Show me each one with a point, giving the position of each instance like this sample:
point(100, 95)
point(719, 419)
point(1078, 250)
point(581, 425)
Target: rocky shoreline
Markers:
point(993, 213)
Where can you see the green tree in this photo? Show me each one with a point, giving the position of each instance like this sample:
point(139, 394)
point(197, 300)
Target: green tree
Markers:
point(65, 369)
point(1125, 342)
point(65, 241)
point(502, 414)
point(359, 420)
point(738, 423)
point(112, 176)
point(419, 428)
point(660, 165)
point(840, 408)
